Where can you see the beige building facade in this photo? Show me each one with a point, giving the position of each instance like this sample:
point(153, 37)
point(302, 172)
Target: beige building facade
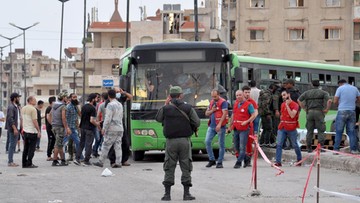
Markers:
point(321, 30)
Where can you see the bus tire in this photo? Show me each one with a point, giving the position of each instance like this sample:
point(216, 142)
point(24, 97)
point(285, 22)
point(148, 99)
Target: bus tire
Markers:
point(195, 151)
point(138, 155)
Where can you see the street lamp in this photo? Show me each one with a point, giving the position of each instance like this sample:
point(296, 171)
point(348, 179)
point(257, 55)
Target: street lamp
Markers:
point(75, 73)
point(11, 61)
point(61, 39)
point(84, 54)
point(24, 29)
point(1, 73)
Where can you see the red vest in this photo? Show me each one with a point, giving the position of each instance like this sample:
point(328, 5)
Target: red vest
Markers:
point(241, 114)
point(286, 122)
point(218, 113)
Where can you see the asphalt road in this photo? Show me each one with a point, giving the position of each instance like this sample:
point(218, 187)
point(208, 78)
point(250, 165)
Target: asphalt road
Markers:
point(141, 182)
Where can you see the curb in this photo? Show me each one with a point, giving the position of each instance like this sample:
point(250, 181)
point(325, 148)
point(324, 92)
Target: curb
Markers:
point(327, 159)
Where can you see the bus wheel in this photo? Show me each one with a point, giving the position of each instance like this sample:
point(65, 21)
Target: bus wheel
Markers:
point(138, 155)
point(195, 151)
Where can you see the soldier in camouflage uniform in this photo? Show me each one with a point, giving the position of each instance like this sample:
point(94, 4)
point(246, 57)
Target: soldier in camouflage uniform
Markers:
point(316, 103)
point(277, 101)
point(179, 121)
point(266, 113)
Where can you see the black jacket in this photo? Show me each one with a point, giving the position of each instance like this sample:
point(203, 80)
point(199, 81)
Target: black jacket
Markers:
point(12, 117)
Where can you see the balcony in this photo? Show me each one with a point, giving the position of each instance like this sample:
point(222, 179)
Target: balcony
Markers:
point(225, 10)
point(105, 53)
point(89, 66)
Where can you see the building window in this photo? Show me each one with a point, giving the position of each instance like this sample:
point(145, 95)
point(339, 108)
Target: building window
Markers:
point(116, 42)
point(332, 3)
point(356, 55)
point(356, 31)
point(256, 34)
point(38, 92)
point(257, 3)
point(332, 33)
point(51, 92)
point(296, 34)
point(296, 3)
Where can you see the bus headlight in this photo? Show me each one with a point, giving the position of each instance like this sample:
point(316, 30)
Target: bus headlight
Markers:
point(145, 132)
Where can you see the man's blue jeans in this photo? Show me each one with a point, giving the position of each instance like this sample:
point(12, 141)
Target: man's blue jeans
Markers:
point(281, 137)
point(12, 145)
point(98, 141)
point(210, 134)
point(240, 141)
point(74, 136)
point(345, 118)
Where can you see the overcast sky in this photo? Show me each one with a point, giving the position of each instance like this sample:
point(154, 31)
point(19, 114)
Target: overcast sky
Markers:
point(46, 35)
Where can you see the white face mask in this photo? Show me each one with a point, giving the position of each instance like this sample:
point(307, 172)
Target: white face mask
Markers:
point(118, 95)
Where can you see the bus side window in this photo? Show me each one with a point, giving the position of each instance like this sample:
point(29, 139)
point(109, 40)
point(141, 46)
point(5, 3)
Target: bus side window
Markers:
point(322, 78)
point(328, 79)
point(289, 74)
point(351, 80)
point(272, 74)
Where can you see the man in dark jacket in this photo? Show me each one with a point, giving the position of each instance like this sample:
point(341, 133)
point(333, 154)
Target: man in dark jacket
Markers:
point(13, 125)
point(179, 120)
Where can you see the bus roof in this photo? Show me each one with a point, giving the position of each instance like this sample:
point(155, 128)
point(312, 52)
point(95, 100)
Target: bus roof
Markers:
point(180, 45)
point(300, 64)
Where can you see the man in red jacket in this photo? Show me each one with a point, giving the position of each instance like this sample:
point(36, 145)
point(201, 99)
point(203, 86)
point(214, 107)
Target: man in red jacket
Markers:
point(218, 113)
point(250, 141)
point(243, 115)
point(287, 128)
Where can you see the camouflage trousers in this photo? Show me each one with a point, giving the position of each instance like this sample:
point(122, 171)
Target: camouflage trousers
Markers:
point(315, 120)
point(178, 149)
point(112, 138)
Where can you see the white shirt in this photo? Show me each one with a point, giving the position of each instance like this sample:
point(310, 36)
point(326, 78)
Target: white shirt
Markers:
point(254, 94)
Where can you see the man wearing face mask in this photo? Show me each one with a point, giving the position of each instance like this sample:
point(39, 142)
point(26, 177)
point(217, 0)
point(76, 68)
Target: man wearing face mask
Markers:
point(122, 96)
point(72, 112)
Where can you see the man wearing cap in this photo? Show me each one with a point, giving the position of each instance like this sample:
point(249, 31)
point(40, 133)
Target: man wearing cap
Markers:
point(60, 127)
point(13, 125)
point(88, 124)
point(294, 92)
point(316, 103)
point(179, 121)
point(345, 97)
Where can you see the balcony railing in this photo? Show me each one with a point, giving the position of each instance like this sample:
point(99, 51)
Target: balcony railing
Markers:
point(105, 53)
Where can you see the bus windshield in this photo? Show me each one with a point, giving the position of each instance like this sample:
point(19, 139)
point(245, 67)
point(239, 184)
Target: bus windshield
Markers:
point(151, 83)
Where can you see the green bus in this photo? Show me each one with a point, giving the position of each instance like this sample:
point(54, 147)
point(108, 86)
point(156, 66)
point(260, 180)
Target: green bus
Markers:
point(266, 71)
point(149, 70)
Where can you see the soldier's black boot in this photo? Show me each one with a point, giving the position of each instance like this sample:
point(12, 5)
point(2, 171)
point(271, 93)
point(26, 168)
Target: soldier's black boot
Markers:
point(166, 196)
point(187, 195)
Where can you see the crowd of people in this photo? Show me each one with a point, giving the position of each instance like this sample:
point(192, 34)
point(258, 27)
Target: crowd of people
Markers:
point(65, 122)
point(101, 126)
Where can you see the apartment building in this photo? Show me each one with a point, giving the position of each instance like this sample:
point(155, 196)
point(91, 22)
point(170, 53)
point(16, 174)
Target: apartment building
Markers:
point(109, 38)
point(321, 30)
point(42, 76)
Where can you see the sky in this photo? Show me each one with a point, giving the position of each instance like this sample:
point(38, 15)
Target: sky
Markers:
point(46, 35)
